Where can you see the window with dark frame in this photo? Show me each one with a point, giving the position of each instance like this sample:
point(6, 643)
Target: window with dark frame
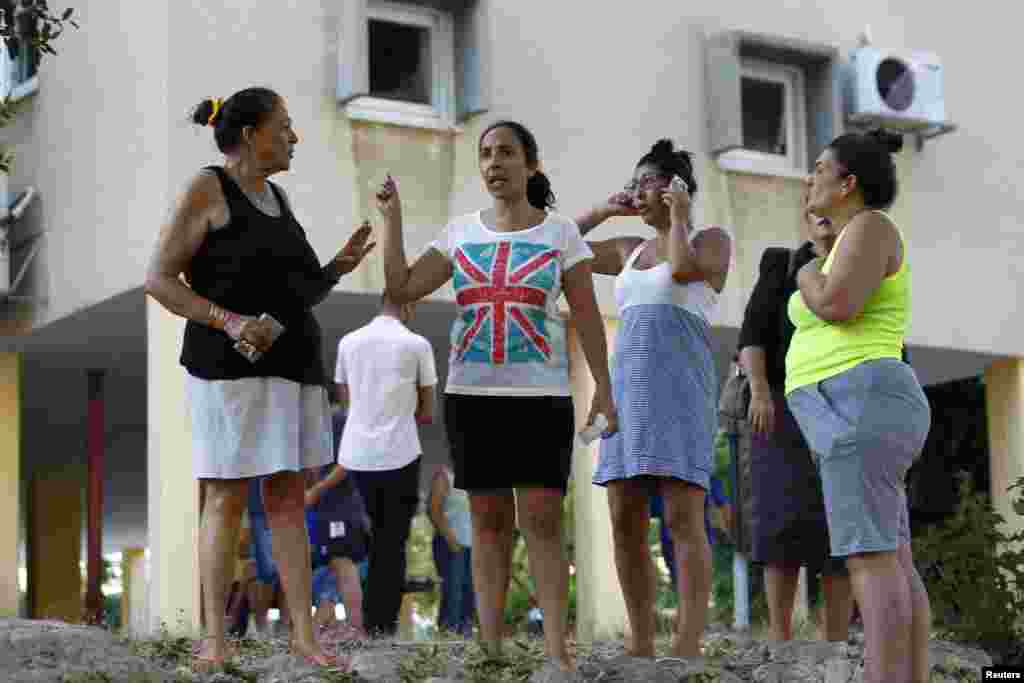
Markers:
point(764, 116)
point(400, 62)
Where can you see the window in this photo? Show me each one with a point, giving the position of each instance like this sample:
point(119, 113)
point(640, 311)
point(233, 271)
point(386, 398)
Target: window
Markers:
point(773, 103)
point(409, 55)
point(413, 63)
point(774, 125)
point(400, 67)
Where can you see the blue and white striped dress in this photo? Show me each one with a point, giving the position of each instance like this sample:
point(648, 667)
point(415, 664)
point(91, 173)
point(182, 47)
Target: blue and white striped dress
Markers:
point(664, 378)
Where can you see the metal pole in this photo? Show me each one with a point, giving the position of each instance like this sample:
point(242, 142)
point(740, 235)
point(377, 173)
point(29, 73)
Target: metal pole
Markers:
point(740, 564)
point(94, 507)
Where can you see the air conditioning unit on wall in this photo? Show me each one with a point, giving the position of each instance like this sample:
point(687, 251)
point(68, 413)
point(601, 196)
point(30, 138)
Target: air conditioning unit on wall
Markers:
point(896, 89)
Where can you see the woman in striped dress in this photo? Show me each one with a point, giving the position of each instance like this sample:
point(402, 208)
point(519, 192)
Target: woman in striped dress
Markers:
point(665, 384)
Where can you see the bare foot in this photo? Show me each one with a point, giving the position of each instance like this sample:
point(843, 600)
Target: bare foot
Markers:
point(680, 649)
point(211, 654)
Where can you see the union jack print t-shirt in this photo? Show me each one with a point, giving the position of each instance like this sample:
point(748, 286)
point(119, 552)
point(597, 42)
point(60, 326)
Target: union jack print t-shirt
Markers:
point(508, 338)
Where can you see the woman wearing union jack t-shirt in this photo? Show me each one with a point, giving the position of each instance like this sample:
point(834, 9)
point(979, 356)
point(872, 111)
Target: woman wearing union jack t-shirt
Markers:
point(666, 384)
point(508, 407)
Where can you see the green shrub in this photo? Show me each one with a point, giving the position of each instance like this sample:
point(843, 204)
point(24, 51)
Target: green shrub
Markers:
point(974, 572)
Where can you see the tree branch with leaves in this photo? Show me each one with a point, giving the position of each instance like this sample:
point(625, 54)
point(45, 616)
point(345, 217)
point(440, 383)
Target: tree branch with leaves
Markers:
point(28, 27)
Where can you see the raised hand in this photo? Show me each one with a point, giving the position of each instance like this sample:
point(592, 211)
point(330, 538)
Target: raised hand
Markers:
point(620, 204)
point(388, 202)
point(355, 250)
point(677, 199)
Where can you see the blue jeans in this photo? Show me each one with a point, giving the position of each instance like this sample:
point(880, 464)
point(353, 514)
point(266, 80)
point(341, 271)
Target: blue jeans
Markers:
point(325, 586)
point(458, 601)
point(266, 569)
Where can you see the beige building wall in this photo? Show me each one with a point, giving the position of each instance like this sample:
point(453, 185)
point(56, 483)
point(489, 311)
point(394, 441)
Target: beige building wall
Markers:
point(173, 511)
point(600, 607)
point(94, 142)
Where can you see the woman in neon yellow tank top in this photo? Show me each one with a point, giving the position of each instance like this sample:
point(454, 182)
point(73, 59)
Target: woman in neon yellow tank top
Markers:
point(859, 406)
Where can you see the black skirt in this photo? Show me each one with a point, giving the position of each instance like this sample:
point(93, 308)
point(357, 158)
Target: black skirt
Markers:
point(788, 510)
point(503, 442)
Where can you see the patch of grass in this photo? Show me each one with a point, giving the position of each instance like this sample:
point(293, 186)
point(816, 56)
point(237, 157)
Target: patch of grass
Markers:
point(166, 649)
point(426, 662)
point(515, 664)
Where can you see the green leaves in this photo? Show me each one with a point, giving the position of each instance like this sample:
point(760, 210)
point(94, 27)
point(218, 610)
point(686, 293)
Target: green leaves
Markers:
point(974, 571)
point(32, 23)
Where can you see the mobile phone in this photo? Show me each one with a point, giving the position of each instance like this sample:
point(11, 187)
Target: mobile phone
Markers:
point(276, 330)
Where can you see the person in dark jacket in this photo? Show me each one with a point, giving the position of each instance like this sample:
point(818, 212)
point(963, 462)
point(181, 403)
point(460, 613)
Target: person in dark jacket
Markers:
point(788, 528)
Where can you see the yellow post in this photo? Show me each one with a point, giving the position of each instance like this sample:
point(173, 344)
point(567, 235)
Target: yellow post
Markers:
point(58, 500)
point(133, 592)
point(10, 480)
point(406, 626)
point(1004, 402)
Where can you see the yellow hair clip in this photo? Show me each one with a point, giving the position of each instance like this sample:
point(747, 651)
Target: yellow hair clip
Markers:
point(217, 102)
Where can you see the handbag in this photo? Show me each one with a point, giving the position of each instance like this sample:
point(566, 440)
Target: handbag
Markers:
point(734, 401)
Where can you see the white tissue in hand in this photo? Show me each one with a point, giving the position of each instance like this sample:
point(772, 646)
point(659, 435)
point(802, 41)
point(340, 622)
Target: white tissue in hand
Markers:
point(595, 429)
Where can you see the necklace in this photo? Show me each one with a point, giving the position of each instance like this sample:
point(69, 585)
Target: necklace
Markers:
point(264, 200)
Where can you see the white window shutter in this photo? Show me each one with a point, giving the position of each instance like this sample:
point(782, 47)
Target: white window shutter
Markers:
point(724, 102)
point(472, 59)
point(353, 52)
point(824, 92)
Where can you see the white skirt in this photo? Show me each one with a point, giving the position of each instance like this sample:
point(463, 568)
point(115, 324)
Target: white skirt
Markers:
point(256, 426)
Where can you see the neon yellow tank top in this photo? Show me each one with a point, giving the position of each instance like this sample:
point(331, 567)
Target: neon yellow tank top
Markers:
point(821, 349)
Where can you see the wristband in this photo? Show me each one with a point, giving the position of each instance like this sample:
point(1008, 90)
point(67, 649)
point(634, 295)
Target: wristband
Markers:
point(215, 318)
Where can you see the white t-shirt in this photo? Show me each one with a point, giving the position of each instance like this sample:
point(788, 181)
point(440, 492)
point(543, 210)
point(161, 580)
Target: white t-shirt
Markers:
point(383, 364)
point(508, 338)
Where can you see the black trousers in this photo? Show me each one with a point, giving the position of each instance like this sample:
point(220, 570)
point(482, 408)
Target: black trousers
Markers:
point(391, 498)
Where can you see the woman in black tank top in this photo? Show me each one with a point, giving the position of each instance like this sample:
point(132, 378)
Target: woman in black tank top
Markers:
point(251, 387)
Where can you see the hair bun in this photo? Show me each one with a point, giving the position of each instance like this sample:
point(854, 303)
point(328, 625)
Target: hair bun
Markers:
point(207, 112)
point(892, 142)
point(663, 147)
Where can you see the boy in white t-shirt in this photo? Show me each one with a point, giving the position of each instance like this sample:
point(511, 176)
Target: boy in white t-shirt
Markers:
point(386, 374)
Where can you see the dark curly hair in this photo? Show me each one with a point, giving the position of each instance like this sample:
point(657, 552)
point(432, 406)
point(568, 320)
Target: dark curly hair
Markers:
point(869, 157)
point(249, 107)
point(670, 161)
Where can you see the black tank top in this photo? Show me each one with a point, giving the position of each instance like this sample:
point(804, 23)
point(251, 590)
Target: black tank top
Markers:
point(257, 264)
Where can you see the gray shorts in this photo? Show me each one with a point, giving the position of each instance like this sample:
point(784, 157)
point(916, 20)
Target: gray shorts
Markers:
point(865, 427)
